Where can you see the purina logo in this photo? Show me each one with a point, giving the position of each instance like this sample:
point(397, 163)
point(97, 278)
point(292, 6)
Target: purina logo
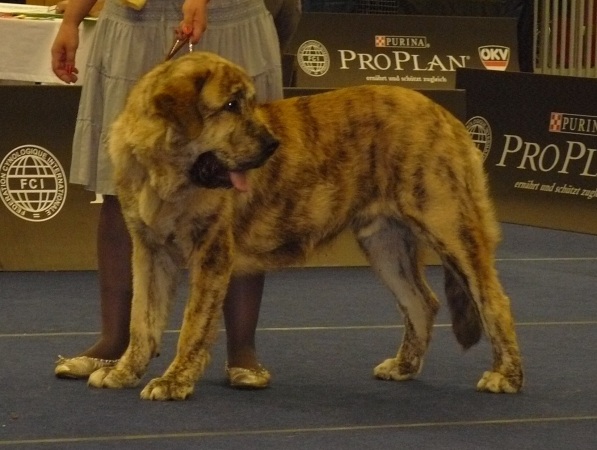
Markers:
point(494, 57)
point(32, 183)
point(573, 124)
point(401, 41)
point(313, 58)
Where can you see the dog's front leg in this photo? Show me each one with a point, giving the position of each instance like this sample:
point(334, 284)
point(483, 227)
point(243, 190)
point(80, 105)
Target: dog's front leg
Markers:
point(155, 277)
point(210, 271)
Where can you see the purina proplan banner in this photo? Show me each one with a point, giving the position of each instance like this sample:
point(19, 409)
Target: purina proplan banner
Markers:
point(538, 135)
point(419, 52)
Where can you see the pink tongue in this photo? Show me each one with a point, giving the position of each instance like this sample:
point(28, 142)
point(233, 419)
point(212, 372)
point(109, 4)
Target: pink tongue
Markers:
point(239, 181)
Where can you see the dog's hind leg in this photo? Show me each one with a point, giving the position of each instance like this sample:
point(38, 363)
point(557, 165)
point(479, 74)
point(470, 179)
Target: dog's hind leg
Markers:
point(155, 278)
point(394, 254)
point(475, 294)
point(479, 282)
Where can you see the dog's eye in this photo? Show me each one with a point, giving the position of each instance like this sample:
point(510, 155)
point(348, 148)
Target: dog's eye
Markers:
point(232, 106)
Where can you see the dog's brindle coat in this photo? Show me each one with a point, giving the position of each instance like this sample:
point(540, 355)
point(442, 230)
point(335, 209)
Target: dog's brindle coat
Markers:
point(209, 179)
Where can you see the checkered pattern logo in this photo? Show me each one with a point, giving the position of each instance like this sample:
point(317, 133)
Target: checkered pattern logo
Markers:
point(380, 41)
point(555, 122)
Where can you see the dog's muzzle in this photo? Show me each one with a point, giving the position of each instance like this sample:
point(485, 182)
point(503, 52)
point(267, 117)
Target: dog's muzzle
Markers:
point(209, 172)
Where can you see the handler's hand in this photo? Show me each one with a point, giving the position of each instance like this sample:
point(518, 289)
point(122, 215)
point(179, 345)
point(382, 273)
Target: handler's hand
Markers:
point(64, 49)
point(194, 21)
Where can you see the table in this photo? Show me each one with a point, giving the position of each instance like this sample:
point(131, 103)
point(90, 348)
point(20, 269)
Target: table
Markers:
point(26, 43)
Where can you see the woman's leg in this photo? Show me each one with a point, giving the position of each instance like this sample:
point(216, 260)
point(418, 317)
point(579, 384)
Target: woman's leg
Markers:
point(241, 313)
point(114, 252)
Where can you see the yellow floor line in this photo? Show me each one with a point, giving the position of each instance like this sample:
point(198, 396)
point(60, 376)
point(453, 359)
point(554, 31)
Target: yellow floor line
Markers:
point(332, 429)
point(321, 328)
point(547, 259)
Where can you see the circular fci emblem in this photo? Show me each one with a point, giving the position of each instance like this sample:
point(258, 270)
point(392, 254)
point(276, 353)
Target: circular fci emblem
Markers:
point(480, 131)
point(32, 183)
point(313, 58)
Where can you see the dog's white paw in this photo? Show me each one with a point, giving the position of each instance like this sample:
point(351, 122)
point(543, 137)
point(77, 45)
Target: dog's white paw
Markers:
point(391, 369)
point(497, 383)
point(113, 378)
point(167, 389)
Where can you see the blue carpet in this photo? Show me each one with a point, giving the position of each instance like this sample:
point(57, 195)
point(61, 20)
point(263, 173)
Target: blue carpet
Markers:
point(321, 333)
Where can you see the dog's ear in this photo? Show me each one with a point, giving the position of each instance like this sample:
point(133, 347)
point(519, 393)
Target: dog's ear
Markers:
point(164, 103)
point(177, 103)
point(178, 91)
point(200, 81)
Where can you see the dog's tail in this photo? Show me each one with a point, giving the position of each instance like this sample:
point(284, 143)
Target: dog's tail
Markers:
point(466, 322)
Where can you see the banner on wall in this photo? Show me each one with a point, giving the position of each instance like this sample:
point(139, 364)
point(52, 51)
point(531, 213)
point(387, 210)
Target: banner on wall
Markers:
point(46, 223)
point(538, 135)
point(419, 52)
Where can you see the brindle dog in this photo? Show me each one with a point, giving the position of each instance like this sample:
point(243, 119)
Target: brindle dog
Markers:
point(209, 179)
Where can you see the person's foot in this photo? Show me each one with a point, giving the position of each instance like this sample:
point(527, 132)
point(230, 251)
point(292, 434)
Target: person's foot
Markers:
point(104, 353)
point(243, 378)
point(80, 367)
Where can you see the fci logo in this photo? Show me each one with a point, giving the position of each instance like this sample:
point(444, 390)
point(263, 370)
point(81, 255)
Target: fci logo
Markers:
point(494, 57)
point(32, 183)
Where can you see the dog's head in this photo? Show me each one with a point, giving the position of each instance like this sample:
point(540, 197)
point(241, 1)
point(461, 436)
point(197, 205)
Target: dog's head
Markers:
point(213, 123)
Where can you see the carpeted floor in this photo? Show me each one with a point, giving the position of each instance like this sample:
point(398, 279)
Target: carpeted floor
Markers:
point(321, 333)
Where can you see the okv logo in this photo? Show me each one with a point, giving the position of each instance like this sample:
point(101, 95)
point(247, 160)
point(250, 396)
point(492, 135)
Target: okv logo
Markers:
point(494, 57)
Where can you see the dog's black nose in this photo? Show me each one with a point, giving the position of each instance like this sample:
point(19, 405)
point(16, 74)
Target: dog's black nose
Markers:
point(270, 145)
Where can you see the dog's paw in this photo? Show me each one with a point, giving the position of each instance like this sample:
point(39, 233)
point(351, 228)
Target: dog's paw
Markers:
point(167, 389)
point(497, 383)
point(113, 378)
point(392, 369)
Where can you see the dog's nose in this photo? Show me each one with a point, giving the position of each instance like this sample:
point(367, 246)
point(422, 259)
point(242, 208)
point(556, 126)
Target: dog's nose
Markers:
point(270, 145)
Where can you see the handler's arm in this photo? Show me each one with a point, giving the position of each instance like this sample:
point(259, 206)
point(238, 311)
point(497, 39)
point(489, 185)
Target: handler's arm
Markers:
point(66, 42)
